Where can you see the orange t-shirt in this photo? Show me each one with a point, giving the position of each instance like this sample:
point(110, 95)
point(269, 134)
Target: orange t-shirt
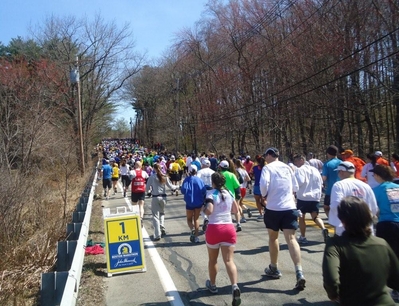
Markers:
point(358, 163)
point(382, 161)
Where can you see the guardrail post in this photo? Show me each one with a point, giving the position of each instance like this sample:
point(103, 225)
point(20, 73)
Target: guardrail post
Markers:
point(52, 288)
point(78, 216)
point(65, 252)
point(73, 231)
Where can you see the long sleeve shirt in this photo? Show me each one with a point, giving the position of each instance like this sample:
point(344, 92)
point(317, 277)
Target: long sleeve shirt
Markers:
point(358, 270)
point(156, 187)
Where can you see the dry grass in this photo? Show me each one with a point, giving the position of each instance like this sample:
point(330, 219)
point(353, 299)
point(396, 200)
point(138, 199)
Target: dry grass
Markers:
point(92, 285)
point(32, 219)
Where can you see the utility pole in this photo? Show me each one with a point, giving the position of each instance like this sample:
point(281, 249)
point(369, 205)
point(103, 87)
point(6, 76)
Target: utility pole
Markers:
point(131, 128)
point(74, 76)
point(177, 115)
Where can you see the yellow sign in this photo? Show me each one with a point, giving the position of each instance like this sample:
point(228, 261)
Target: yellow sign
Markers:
point(124, 244)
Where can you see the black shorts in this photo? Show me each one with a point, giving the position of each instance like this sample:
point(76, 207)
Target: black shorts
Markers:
point(390, 232)
point(327, 200)
point(174, 177)
point(114, 179)
point(107, 183)
point(307, 206)
point(138, 197)
point(126, 180)
point(280, 220)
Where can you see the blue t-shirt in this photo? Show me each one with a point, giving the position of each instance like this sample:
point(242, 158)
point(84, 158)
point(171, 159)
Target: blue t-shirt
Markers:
point(387, 196)
point(107, 172)
point(194, 191)
point(332, 175)
point(257, 171)
point(214, 163)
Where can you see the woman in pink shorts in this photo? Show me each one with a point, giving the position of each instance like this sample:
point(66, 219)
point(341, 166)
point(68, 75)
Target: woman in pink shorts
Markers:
point(221, 234)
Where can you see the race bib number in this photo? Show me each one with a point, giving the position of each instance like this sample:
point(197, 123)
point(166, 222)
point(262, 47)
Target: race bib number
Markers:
point(393, 197)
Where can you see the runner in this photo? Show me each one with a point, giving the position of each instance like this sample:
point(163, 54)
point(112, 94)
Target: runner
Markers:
point(219, 205)
point(257, 171)
point(194, 191)
point(329, 175)
point(139, 177)
point(277, 185)
point(124, 171)
point(233, 185)
point(308, 196)
point(243, 189)
point(156, 187)
point(248, 164)
point(205, 175)
point(115, 177)
point(174, 170)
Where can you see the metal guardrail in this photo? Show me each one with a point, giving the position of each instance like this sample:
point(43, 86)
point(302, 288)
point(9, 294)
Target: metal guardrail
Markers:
point(62, 286)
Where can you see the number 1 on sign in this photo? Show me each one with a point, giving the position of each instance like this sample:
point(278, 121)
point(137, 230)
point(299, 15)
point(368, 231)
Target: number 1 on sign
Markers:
point(122, 224)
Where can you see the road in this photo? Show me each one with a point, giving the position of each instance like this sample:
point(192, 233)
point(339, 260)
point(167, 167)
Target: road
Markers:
point(176, 269)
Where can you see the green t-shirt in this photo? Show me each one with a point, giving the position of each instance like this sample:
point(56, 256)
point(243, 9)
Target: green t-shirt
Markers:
point(231, 182)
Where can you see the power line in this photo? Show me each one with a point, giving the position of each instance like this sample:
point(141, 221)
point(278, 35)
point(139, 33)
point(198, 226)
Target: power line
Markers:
point(314, 75)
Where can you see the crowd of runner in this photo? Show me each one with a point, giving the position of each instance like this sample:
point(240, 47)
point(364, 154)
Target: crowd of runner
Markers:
point(214, 187)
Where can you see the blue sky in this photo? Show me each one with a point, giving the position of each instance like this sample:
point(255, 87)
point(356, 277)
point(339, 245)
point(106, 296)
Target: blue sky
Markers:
point(153, 22)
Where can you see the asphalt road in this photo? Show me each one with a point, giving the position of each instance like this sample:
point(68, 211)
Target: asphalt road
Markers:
point(176, 269)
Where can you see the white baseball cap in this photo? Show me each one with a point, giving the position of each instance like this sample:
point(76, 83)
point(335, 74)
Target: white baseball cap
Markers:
point(224, 164)
point(346, 166)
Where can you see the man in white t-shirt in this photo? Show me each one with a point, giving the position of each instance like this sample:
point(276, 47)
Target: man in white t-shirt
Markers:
point(205, 174)
point(278, 184)
point(349, 186)
point(308, 195)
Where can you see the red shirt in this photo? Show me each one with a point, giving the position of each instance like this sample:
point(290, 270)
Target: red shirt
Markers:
point(248, 165)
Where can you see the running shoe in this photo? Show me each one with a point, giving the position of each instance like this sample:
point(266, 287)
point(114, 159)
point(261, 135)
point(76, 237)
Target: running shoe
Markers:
point(205, 225)
point(325, 234)
point(192, 236)
point(302, 240)
point(273, 272)
point(243, 220)
point(211, 288)
point(163, 232)
point(236, 296)
point(249, 213)
point(238, 229)
point(260, 218)
point(300, 281)
point(196, 240)
point(395, 295)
